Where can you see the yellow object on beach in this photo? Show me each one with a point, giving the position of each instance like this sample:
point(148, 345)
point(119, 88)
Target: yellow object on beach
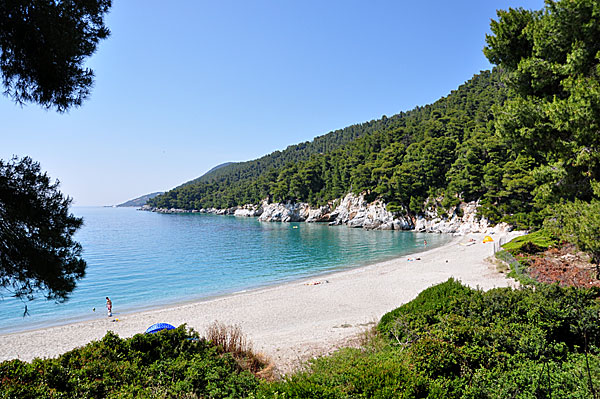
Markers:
point(487, 239)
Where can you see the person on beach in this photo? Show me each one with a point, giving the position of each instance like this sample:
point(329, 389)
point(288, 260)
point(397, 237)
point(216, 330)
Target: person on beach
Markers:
point(109, 306)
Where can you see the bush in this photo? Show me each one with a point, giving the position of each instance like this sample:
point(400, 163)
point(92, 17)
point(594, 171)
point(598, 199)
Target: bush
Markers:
point(449, 342)
point(172, 364)
point(455, 342)
point(230, 339)
point(531, 243)
point(350, 373)
point(425, 309)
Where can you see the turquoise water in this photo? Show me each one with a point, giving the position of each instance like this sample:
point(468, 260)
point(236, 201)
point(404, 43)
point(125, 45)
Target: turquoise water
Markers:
point(143, 260)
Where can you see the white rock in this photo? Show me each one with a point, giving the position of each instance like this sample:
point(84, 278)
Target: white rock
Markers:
point(288, 212)
point(248, 211)
point(354, 211)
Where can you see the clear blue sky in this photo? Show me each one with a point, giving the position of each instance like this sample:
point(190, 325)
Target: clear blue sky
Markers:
point(183, 86)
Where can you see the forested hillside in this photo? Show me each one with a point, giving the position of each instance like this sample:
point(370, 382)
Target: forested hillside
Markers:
point(524, 139)
point(235, 171)
point(404, 159)
point(520, 139)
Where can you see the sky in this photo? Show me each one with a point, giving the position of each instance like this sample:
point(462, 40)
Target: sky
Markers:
point(183, 86)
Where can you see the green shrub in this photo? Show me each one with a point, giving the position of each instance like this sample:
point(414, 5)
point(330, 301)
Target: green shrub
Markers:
point(425, 309)
point(351, 373)
point(168, 364)
point(455, 342)
point(531, 243)
point(449, 342)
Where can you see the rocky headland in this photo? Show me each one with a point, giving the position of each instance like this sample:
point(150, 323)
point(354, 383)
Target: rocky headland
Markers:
point(356, 211)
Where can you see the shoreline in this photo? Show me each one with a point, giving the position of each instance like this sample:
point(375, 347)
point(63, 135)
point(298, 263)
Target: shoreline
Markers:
point(291, 321)
point(212, 297)
point(170, 303)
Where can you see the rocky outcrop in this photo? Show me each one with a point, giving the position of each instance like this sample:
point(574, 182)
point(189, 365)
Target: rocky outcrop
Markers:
point(288, 212)
point(462, 220)
point(163, 210)
point(249, 211)
point(355, 211)
point(321, 214)
point(225, 211)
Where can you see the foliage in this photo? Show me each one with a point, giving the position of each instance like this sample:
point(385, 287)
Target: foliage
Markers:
point(578, 222)
point(230, 339)
point(428, 305)
point(37, 251)
point(43, 47)
point(520, 139)
point(464, 343)
point(534, 242)
point(168, 364)
point(518, 268)
point(443, 147)
point(450, 342)
point(349, 373)
point(551, 63)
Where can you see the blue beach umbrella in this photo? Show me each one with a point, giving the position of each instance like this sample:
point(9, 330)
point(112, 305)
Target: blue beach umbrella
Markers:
point(158, 327)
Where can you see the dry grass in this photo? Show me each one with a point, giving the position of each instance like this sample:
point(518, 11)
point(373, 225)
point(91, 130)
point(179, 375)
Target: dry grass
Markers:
point(230, 339)
point(370, 339)
point(500, 266)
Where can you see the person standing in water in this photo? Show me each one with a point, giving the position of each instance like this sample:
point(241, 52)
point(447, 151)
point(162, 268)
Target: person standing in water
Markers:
point(109, 306)
point(425, 243)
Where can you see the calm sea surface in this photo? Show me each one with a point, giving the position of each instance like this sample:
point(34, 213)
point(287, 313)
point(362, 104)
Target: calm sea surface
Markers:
point(143, 260)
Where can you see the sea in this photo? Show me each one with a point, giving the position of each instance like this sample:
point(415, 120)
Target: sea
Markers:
point(144, 260)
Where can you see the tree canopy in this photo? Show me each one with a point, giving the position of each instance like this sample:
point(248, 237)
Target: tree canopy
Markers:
point(37, 250)
point(43, 47)
point(445, 147)
point(519, 139)
point(551, 59)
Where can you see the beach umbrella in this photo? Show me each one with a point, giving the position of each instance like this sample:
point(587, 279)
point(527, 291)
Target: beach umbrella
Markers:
point(158, 327)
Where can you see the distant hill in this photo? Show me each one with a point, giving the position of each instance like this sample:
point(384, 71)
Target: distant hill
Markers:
point(140, 201)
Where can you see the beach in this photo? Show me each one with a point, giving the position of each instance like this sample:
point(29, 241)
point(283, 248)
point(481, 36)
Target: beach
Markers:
point(292, 322)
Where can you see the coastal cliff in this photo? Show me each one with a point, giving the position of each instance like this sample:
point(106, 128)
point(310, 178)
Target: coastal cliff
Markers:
point(355, 211)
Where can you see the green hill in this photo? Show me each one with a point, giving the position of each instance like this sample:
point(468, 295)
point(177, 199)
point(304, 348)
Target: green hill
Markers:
point(139, 201)
point(520, 139)
point(212, 171)
point(403, 159)
point(236, 171)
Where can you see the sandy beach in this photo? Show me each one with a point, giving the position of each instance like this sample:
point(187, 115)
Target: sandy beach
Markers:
point(295, 321)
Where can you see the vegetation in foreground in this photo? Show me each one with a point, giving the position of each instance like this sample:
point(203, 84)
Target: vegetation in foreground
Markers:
point(449, 342)
point(456, 342)
point(169, 364)
point(522, 139)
